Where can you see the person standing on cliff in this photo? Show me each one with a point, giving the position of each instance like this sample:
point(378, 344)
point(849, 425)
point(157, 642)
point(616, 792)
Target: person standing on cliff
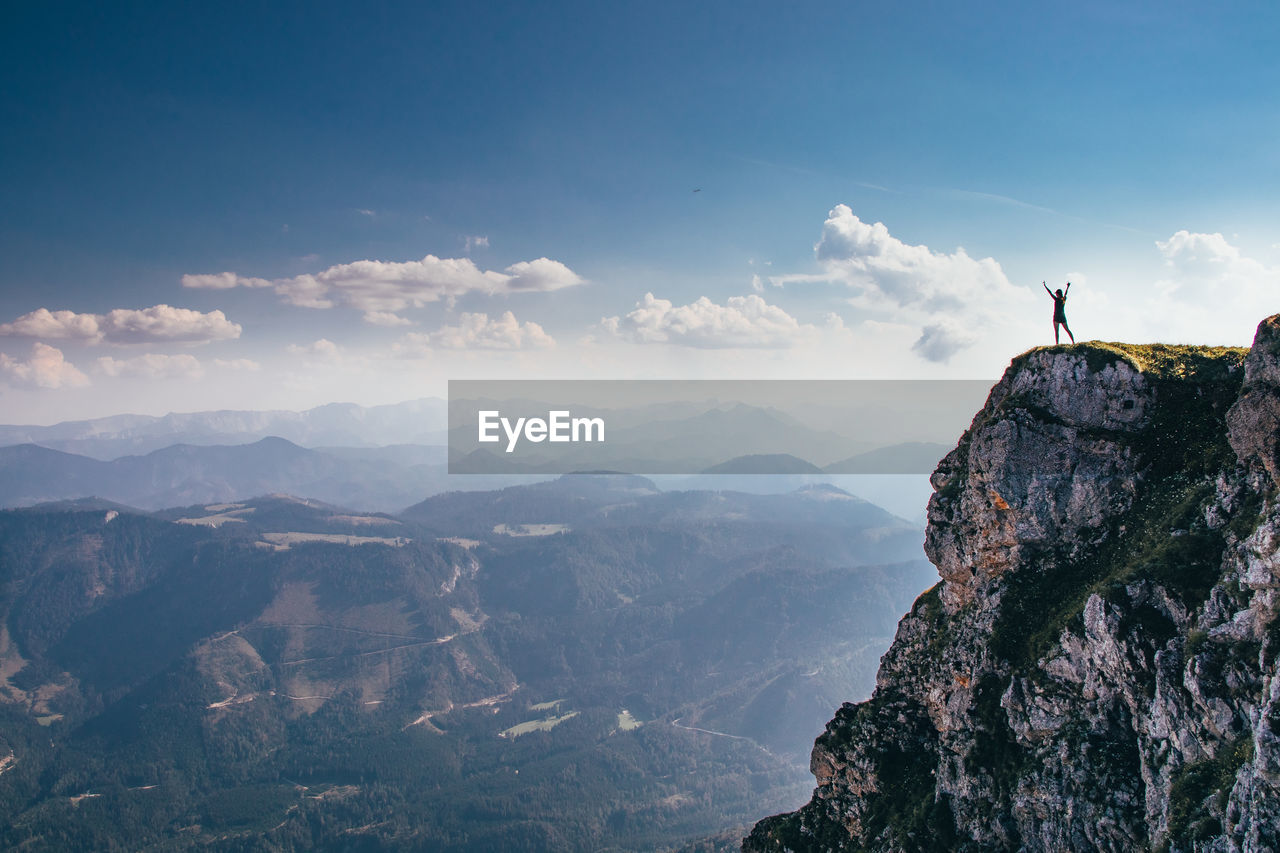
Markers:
point(1059, 298)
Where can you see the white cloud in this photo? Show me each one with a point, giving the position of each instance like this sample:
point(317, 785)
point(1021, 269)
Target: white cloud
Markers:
point(151, 366)
point(478, 241)
point(47, 368)
point(885, 271)
point(476, 331)
point(385, 318)
point(166, 323)
point(43, 323)
point(1211, 291)
point(385, 287)
point(413, 345)
point(157, 324)
point(948, 299)
point(222, 281)
point(833, 322)
point(237, 364)
point(539, 275)
point(479, 331)
point(743, 322)
point(304, 291)
point(939, 341)
point(323, 348)
point(1206, 266)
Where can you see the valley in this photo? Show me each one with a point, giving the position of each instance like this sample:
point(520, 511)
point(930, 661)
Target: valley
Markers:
point(584, 662)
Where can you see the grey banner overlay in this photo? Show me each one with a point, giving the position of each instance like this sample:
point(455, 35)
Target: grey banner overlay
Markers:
point(707, 426)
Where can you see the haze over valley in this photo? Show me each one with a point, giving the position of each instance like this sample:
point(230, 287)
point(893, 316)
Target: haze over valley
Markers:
point(580, 662)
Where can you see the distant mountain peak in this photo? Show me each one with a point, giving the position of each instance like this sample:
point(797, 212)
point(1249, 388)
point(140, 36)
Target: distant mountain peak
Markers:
point(89, 504)
point(422, 421)
point(826, 491)
point(765, 463)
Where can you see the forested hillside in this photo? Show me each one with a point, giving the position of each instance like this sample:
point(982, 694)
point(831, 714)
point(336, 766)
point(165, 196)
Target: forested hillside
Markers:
point(583, 663)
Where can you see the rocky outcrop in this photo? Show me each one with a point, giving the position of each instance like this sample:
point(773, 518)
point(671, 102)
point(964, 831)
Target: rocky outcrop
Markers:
point(1096, 670)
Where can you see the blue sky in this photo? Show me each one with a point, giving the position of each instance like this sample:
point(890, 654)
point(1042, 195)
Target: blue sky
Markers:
point(1128, 147)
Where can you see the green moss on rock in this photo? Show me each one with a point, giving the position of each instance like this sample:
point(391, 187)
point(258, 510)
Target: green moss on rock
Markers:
point(1198, 795)
point(1164, 537)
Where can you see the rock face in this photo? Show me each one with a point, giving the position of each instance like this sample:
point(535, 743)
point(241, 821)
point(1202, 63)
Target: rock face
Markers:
point(1096, 670)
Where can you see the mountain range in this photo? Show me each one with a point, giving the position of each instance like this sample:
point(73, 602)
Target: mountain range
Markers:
point(333, 425)
point(593, 662)
point(582, 663)
point(185, 474)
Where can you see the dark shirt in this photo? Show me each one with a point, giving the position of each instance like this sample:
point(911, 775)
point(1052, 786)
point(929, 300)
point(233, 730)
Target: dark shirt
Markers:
point(1060, 309)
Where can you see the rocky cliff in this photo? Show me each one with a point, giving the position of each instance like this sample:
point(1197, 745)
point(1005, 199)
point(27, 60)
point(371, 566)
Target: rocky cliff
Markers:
point(1096, 670)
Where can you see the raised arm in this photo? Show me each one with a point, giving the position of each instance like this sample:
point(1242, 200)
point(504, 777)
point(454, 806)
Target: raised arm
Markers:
point(1068, 290)
point(1047, 290)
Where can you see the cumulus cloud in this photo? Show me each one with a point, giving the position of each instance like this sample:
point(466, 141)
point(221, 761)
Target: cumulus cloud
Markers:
point(743, 322)
point(323, 348)
point(1207, 266)
point(304, 291)
point(157, 324)
point(884, 270)
point(221, 281)
point(166, 323)
point(43, 323)
point(151, 366)
point(413, 345)
point(237, 364)
point(950, 299)
point(477, 331)
point(46, 368)
point(384, 287)
point(938, 342)
point(385, 318)
point(539, 275)
point(1211, 291)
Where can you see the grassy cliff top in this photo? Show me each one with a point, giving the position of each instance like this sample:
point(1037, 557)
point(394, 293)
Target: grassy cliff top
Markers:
point(1161, 361)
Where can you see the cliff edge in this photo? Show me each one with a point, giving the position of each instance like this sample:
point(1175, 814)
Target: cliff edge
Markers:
point(1096, 670)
